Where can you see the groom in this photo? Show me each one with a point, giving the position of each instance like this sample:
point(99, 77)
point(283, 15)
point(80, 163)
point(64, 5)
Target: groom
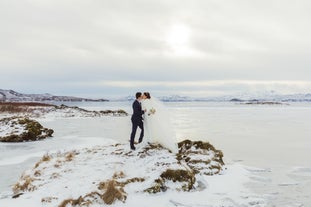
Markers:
point(137, 120)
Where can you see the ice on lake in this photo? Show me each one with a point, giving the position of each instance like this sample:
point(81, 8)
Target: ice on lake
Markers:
point(272, 142)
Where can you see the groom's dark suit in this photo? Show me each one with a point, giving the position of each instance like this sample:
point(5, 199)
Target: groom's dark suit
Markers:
point(137, 121)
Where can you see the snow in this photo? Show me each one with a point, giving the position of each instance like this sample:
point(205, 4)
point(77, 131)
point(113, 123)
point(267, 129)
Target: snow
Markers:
point(10, 127)
point(266, 151)
point(61, 179)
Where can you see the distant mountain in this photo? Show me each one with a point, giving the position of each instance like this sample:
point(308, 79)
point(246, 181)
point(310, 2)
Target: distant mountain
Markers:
point(10, 95)
point(272, 96)
point(262, 96)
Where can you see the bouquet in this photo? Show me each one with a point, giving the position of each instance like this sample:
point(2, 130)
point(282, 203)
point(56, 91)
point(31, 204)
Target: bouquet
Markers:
point(151, 111)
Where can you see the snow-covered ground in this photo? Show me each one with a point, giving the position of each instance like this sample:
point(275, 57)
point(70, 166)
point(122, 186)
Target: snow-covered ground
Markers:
point(266, 149)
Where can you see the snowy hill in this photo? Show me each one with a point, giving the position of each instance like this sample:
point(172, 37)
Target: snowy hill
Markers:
point(10, 95)
point(150, 176)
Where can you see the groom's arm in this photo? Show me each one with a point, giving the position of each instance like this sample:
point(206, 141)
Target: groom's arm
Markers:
point(141, 110)
point(137, 109)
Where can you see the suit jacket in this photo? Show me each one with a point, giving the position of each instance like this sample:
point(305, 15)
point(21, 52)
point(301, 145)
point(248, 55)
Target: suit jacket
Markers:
point(137, 112)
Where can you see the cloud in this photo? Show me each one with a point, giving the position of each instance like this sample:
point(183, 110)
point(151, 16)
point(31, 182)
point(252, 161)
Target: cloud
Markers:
point(46, 44)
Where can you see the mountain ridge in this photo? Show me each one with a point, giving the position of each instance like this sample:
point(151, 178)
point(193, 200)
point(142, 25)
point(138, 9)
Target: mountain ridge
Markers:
point(242, 97)
point(13, 96)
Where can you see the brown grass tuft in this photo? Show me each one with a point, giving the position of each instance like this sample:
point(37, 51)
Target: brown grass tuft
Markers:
point(113, 193)
point(132, 180)
point(72, 202)
point(25, 184)
point(45, 158)
point(54, 176)
point(117, 175)
point(37, 173)
point(157, 187)
point(102, 186)
point(70, 156)
point(57, 165)
point(48, 199)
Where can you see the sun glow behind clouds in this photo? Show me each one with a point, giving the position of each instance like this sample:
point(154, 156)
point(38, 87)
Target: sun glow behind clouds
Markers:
point(178, 41)
point(178, 35)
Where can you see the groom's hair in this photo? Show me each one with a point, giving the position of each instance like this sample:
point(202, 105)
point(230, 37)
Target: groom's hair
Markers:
point(138, 94)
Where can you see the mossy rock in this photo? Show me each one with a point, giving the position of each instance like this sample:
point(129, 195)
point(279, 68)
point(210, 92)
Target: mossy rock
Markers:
point(211, 159)
point(187, 144)
point(32, 130)
point(185, 177)
point(180, 175)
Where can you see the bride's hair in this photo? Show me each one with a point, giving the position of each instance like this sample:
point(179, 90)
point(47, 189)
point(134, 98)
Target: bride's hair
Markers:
point(147, 94)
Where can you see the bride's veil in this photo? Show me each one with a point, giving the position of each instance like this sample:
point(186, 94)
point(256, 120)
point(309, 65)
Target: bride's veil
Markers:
point(162, 125)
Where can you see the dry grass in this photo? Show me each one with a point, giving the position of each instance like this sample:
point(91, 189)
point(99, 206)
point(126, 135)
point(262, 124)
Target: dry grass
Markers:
point(180, 175)
point(113, 193)
point(45, 158)
point(70, 156)
point(132, 180)
point(72, 202)
point(55, 175)
point(20, 107)
point(157, 187)
point(37, 173)
point(117, 175)
point(146, 150)
point(111, 190)
point(25, 184)
point(183, 176)
point(57, 165)
point(48, 199)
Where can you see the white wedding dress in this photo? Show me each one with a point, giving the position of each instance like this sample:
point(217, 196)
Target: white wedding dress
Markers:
point(157, 124)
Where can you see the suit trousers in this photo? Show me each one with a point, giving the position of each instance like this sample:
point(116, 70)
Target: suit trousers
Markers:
point(136, 124)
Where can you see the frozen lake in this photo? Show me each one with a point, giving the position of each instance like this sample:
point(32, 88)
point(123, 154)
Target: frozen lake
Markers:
point(272, 142)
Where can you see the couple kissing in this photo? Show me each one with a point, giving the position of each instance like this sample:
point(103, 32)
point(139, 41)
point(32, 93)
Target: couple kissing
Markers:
point(153, 118)
point(137, 117)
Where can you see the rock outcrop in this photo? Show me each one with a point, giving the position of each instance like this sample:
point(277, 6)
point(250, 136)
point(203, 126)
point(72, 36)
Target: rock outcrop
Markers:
point(21, 129)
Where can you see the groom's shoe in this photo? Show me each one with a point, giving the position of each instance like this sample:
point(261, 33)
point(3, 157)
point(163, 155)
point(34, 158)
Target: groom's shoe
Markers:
point(133, 148)
point(140, 140)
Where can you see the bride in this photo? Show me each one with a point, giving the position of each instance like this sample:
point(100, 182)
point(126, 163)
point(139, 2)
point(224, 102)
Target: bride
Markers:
point(156, 123)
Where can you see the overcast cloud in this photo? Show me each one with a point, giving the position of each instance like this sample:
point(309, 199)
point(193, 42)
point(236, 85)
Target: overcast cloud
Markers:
point(99, 48)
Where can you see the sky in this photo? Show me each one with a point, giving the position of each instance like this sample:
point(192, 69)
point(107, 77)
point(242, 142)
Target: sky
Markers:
point(199, 48)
